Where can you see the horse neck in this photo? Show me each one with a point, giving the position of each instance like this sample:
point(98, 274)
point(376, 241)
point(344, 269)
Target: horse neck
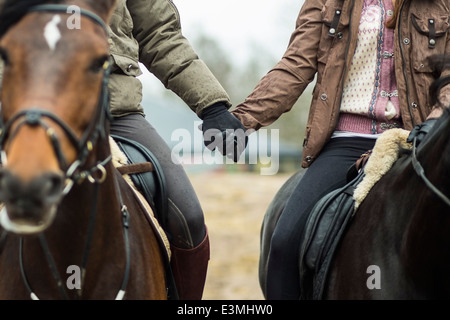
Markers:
point(434, 155)
point(426, 243)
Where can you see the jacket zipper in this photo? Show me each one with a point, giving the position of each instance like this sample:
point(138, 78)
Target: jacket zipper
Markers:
point(403, 64)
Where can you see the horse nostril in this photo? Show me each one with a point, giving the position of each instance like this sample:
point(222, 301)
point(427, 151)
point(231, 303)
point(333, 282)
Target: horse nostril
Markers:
point(49, 186)
point(43, 190)
point(9, 186)
point(30, 205)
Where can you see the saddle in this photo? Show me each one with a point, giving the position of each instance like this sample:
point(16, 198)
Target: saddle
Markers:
point(147, 176)
point(332, 215)
point(325, 227)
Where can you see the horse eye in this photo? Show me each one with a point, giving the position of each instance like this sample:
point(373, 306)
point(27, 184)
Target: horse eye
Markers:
point(98, 65)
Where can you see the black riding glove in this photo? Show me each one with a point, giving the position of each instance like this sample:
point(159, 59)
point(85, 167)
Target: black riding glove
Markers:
point(420, 131)
point(223, 131)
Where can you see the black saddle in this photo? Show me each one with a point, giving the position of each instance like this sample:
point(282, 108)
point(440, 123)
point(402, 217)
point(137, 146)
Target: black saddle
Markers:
point(325, 227)
point(152, 183)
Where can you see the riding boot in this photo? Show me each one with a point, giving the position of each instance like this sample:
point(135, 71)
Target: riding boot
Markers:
point(189, 267)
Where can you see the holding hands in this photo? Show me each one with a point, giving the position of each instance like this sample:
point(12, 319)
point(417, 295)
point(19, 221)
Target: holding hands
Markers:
point(223, 131)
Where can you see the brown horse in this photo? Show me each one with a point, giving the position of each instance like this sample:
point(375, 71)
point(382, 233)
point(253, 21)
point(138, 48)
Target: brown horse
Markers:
point(398, 244)
point(72, 228)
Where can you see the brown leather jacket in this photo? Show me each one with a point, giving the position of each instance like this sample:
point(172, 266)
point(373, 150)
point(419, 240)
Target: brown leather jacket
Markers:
point(323, 43)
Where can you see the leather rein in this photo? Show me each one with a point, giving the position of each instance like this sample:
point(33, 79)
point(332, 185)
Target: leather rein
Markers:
point(73, 174)
point(421, 173)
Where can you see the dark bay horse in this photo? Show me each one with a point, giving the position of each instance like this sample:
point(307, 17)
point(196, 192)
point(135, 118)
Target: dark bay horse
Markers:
point(398, 244)
point(71, 227)
point(401, 231)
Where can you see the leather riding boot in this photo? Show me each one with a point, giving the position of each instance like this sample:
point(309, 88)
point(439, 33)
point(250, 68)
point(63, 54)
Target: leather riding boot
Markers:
point(189, 267)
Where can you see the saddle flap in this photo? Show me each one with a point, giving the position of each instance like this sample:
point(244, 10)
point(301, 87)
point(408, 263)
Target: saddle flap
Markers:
point(324, 229)
point(147, 175)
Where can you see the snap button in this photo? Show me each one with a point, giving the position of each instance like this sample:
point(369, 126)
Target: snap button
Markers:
point(332, 31)
point(432, 42)
point(129, 67)
point(406, 41)
point(324, 97)
point(340, 35)
point(414, 105)
point(308, 159)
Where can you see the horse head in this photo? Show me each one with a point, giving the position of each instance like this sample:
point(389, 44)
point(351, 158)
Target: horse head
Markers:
point(56, 57)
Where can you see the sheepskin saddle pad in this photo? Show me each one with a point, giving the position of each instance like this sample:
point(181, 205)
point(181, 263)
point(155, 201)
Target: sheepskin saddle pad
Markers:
point(384, 154)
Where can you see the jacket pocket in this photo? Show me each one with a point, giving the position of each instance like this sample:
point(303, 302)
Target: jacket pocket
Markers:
point(334, 28)
point(428, 38)
point(126, 65)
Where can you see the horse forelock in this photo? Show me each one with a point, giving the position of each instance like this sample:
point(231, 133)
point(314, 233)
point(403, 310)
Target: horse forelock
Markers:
point(13, 10)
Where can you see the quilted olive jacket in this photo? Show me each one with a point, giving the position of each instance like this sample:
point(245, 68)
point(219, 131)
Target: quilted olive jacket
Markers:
point(149, 31)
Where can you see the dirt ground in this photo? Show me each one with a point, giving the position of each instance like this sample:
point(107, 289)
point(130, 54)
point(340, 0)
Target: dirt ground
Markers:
point(234, 205)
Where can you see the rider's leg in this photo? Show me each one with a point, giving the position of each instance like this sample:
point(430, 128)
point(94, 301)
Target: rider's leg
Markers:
point(327, 173)
point(186, 227)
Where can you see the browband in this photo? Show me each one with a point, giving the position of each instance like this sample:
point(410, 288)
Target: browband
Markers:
point(61, 8)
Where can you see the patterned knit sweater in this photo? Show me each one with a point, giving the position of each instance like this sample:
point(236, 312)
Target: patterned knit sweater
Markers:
point(369, 100)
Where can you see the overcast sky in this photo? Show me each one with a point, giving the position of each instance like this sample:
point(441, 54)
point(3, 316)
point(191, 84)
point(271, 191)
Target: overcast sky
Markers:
point(237, 23)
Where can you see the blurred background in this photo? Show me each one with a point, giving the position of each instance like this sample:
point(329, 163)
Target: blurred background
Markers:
point(240, 41)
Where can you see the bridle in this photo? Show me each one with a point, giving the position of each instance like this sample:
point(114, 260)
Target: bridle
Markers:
point(434, 90)
point(34, 117)
point(74, 172)
point(418, 168)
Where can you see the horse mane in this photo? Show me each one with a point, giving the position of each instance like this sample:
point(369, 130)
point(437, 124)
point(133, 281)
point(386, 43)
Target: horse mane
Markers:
point(13, 10)
point(439, 64)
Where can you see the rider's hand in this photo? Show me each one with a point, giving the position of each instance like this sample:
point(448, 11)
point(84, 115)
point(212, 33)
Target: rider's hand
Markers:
point(421, 130)
point(223, 131)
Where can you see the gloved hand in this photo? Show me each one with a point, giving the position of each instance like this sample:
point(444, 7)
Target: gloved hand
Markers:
point(420, 131)
point(223, 131)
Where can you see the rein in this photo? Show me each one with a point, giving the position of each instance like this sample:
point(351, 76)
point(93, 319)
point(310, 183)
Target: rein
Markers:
point(421, 173)
point(74, 174)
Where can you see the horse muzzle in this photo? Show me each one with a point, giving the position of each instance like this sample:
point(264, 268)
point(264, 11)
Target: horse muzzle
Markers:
point(29, 207)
